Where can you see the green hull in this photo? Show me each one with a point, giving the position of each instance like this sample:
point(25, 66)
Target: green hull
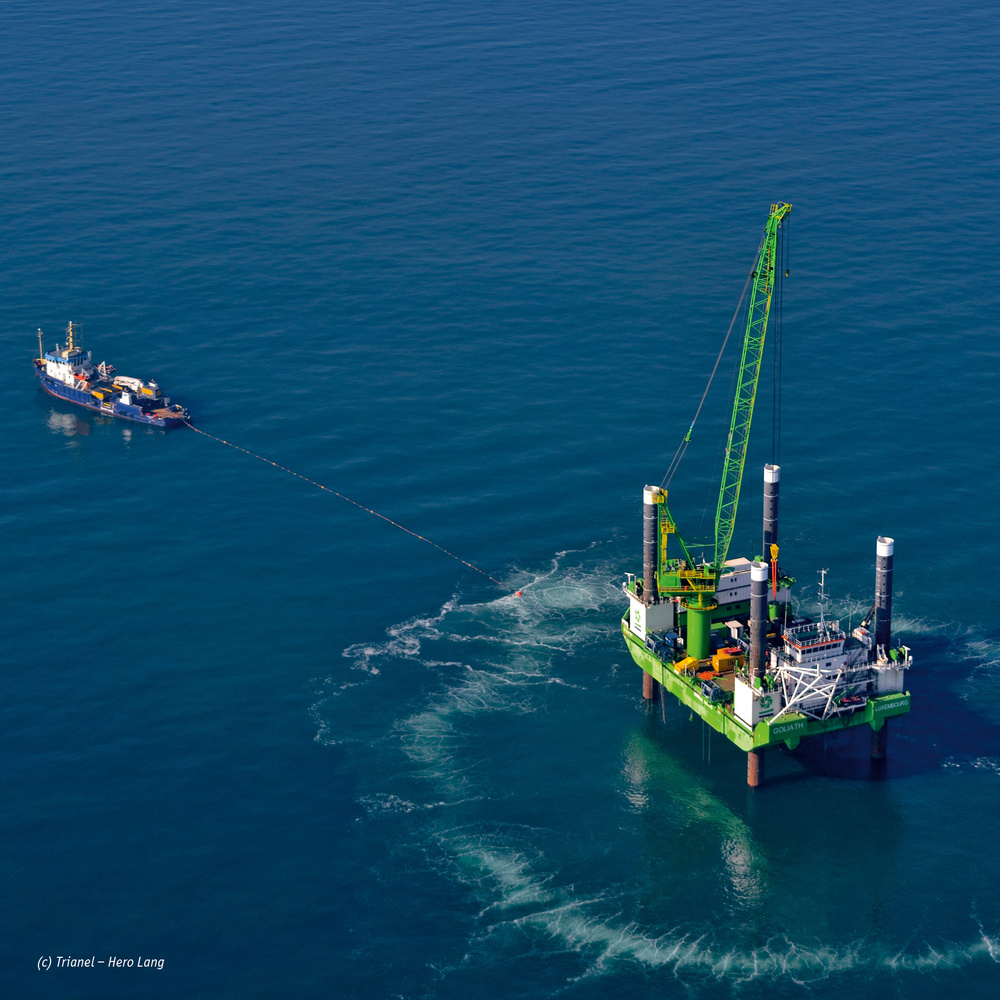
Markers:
point(789, 729)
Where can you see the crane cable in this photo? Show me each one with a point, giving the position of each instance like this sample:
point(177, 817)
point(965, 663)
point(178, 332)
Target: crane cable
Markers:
point(343, 496)
point(784, 246)
point(682, 447)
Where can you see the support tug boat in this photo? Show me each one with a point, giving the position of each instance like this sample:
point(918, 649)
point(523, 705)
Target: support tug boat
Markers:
point(719, 634)
point(67, 372)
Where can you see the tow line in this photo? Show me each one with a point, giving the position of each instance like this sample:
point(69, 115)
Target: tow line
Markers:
point(343, 496)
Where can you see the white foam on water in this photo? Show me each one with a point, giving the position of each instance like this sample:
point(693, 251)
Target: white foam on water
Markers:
point(608, 945)
point(983, 654)
point(494, 865)
point(327, 690)
point(987, 764)
point(850, 611)
point(908, 625)
point(404, 641)
point(367, 663)
point(381, 803)
point(980, 685)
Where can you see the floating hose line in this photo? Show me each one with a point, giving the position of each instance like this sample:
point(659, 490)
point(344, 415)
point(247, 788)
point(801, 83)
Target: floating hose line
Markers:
point(682, 447)
point(361, 506)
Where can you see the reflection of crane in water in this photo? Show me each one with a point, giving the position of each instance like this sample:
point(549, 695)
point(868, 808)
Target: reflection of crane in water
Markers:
point(653, 775)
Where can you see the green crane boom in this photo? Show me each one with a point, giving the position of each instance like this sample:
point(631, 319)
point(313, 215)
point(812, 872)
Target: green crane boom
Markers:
point(746, 387)
point(695, 584)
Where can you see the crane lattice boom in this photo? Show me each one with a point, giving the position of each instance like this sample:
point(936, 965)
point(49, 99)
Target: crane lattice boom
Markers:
point(746, 387)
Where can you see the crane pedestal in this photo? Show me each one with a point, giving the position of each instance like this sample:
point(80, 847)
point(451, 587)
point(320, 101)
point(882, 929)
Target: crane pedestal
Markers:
point(699, 628)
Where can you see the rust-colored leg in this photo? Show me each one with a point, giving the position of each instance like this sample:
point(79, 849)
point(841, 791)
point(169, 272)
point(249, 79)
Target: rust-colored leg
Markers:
point(755, 768)
point(650, 687)
point(880, 742)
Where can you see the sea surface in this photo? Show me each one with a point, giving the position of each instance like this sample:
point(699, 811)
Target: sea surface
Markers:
point(470, 265)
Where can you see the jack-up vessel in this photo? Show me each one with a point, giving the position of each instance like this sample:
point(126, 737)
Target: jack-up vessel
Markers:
point(719, 634)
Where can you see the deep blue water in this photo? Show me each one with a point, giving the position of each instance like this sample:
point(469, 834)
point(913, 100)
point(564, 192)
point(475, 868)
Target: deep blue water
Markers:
point(470, 265)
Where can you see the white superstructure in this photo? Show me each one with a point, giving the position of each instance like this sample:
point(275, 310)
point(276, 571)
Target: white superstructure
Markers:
point(69, 365)
point(820, 672)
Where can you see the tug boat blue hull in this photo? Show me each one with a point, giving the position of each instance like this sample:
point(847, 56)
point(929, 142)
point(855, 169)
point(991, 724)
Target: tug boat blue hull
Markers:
point(114, 408)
